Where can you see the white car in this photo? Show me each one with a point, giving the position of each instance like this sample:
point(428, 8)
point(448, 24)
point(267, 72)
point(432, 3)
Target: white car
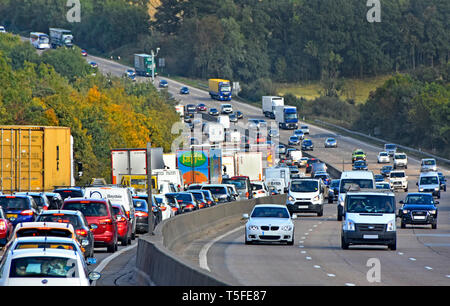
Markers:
point(2, 29)
point(398, 180)
point(304, 129)
point(383, 157)
point(400, 160)
point(166, 209)
point(269, 223)
point(226, 109)
point(45, 267)
point(260, 189)
point(428, 164)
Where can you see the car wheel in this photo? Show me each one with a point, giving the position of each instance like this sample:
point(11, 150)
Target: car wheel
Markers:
point(402, 225)
point(344, 245)
point(434, 225)
point(320, 213)
point(124, 241)
point(111, 248)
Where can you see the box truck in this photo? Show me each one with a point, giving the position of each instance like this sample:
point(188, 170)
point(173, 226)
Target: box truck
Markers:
point(220, 89)
point(200, 166)
point(35, 158)
point(60, 38)
point(269, 103)
point(143, 64)
point(249, 164)
point(286, 117)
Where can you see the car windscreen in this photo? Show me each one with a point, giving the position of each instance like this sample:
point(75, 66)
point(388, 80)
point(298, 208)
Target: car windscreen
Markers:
point(390, 146)
point(346, 184)
point(383, 154)
point(370, 204)
point(240, 184)
point(419, 199)
point(360, 163)
point(45, 245)
point(140, 204)
point(184, 197)
point(304, 186)
point(198, 195)
point(429, 180)
point(45, 266)
point(429, 162)
point(270, 212)
point(216, 190)
point(43, 232)
point(335, 183)
point(90, 209)
point(307, 142)
point(40, 202)
point(14, 203)
point(397, 174)
point(60, 218)
point(400, 156)
point(70, 193)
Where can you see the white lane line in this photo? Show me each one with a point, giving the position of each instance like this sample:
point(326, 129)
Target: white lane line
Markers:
point(448, 276)
point(428, 268)
point(303, 252)
point(203, 255)
point(331, 275)
point(400, 253)
point(315, 225)
point(412, 259)
point(308, 258)
point(350, 284)
point(108, 259)
point(316, 267)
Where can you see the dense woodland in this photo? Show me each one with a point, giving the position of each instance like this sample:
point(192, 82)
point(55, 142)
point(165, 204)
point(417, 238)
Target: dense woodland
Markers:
point(264, 42)
point(58, 88)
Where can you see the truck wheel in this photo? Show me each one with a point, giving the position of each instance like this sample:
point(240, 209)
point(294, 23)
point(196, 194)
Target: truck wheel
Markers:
point(393, 246)
point(434, 225)
point(320, 213)
point(402, 225)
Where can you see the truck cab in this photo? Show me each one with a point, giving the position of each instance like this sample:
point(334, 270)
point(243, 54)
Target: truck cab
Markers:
point(306, 196)
point(286, 117)
point(369, 219)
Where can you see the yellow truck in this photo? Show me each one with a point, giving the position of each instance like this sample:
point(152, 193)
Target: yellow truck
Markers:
point(35, 158)
point(220, 89)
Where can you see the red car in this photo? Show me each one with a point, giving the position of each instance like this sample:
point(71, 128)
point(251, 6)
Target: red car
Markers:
point(101, 218)
point(123, 224)
point(84, 52)
point(6, 228)
point(201, 108)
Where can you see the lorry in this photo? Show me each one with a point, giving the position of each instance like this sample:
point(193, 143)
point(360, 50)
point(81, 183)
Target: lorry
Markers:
point(35, 158)
point(200, 165)
point(133, 162)
point(60, 38)
point(269, 103)
point(143, 64)
point(224, 120)
point(179, 108)
point(249, 164)
point(279, 177)
point(286, 117)
point(220, 89)
point(215, 132)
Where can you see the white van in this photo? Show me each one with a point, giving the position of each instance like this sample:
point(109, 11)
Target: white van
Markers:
point(351, 179)
point(400, 160)
point(369, 218)
point(224, 120)
point(306, 195)
point(429, 182)
point(117, 195)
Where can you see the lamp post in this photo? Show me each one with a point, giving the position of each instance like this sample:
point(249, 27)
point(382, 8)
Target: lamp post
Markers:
point(153, 63)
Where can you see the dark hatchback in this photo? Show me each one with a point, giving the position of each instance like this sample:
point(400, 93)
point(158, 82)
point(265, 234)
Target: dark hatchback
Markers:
point(419, 209)
point(81, 226)
point(307, 145)
point(360, 165)
point(386, 171)
point(72, 192)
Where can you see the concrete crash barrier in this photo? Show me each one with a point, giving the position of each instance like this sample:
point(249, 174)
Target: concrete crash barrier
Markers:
point(157, 263)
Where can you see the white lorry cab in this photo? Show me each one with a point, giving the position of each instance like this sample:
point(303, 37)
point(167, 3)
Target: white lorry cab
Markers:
point(369, 219)
point(429, 182)
point(306, 196)
point(353, 179)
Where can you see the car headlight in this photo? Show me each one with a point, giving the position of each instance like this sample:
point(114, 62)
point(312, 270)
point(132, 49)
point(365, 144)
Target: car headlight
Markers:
point(253, 227)
point(433, 212)
point(291, 199)
point(421, 189)
point(436, 189)
point(286, 228)
point(405, 211)
point(391, 226)
point(349, 225)
point(316, 198)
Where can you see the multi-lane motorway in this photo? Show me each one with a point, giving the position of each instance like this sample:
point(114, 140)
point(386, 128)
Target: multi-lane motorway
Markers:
point(422, 256)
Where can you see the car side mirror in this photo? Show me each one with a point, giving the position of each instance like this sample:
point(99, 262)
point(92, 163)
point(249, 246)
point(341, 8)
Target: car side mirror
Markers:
point(436, 202)
point(245, 216)
point(401, 202)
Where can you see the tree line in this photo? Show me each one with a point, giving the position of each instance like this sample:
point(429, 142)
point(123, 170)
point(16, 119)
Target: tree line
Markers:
point(59, 88)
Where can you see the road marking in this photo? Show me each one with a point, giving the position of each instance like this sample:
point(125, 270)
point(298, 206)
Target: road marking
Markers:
point(315, 225)
point(433, 235)
point(428, 268)
point(108, 259)
point(331, 275)
point(303, 252)
point(203, 255)
point(437, 244)
point(308, 258)
point(316, 267)
point(303, 237)
point(400, 253)
point(350, 284)
point(412, 259)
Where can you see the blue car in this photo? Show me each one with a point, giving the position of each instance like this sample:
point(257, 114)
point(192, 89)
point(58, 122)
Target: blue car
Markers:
point(333, 191)
point(163, 84)
point(307, 145)
point(184, 90)
point(19, 208)
point(360, 165)
point(300, 134)
point(294, 141)
point(419, 208)
point(379, 178)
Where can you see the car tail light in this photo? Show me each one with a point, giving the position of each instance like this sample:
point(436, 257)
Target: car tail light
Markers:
point(128, 214)
point(174, 209)
point(141, 214)
point(190, 206)
point(45, 208)
point(163, 208)
point(121, 219)
point(27, 213)
point(107, 221)
point(209, 202)
point(81, 232)
point(2, 225)
point(247, 194)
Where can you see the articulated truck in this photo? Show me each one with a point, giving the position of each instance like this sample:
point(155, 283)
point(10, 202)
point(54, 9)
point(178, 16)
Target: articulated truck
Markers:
point(220, 89)
point(35, 158)
point(286, 117)
point(269, 103)
point(143, 65)
point(60, 38)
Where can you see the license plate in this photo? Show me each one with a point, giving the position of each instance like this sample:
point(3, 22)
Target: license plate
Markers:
point(11, 216)
point(370, 236)
point(303, 206)
point(419, 218)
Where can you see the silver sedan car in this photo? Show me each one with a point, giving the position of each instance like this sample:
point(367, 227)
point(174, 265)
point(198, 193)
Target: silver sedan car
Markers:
point(269, 223)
